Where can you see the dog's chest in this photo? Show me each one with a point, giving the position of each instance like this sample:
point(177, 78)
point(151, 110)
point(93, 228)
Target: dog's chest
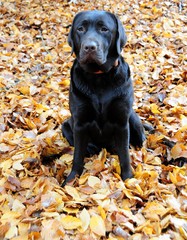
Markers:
point(104, 98)
point(101, 100)
point(100, 106)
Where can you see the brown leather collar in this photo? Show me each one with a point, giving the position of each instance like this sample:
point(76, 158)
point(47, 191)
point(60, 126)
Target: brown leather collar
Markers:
point(115, 65)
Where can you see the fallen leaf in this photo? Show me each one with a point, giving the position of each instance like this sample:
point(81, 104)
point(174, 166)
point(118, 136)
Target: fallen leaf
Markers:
point(70, 222)
point(94, 181)
point(85, 218)
point(97, 225)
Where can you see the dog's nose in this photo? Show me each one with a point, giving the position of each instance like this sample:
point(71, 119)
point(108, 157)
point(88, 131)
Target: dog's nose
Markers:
point(90, 47)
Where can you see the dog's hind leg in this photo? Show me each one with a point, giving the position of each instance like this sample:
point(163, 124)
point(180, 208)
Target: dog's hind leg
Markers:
point(137, 135)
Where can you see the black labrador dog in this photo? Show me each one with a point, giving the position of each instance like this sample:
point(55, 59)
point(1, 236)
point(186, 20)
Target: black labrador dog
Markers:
point(101, 92)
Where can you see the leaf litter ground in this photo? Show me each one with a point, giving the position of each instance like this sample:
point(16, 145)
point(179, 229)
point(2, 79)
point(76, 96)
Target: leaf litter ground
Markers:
point(35, 62)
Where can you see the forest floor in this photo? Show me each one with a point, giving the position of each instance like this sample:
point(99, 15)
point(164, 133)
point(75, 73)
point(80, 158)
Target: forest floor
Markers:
point(35, 62)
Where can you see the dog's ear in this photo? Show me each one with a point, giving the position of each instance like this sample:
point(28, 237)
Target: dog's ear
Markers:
point(71, 33)
point(70, 39)
point(121, 38)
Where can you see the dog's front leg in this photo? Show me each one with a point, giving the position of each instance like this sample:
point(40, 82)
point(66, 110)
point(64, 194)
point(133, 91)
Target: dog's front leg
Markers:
point(122, 148)
point(80, 144)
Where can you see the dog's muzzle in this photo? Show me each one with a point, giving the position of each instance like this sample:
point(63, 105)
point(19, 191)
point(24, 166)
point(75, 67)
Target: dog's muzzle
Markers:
point(91, 52)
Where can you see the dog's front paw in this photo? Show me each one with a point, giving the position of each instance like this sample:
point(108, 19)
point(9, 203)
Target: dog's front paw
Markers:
point(126, 174)
point(138, 139)
point(73, 174)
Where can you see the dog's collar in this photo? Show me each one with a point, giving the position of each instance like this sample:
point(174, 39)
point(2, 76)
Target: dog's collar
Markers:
point(116, 63)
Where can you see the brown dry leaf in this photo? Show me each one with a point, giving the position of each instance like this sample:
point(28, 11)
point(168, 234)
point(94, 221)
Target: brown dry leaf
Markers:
point(52, 229)
point(179, 150)
point(35, 62)
point(3, 229)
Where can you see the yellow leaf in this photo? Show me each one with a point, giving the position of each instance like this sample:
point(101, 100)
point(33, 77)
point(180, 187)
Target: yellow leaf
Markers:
point(25, 90)
point(65, 82)
point(12, 232)
point(116, 165)
point(71, 223)
point(172, 178)
point(158, 25)
point(10, 215)
point(85, 218)
point(49, 141)
point(97, 225)
point(66, 48)
point(23, 228)
point(138, 33)
point(117, 176)
point(83, 178)
point(17, 206)
point(176, 150)
point(183, 232)
point(72, 192)
point(155, 208)
point(16, 30)
point(102, 155)
point(148, 230)
point(40, 108)
point(128, 27)
point(155, 10)
point(94, 181)
point(154, 108)
point(66, 159)
point(50, 214)
point(48, 57)
point(102, 212)
point(167, 34)
point(30, 123)
point(139, 189)
point(129, 194)
point(70, 210)
point(177, 176)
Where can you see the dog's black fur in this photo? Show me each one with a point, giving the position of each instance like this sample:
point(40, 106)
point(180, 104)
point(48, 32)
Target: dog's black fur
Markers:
point(101, 92)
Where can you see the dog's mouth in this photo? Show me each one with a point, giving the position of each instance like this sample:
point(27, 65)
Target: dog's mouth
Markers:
point(92, 58)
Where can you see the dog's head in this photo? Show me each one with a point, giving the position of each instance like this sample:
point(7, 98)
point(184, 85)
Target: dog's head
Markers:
point(96, 38)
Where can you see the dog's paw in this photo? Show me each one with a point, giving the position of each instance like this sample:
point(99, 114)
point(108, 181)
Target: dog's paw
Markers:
point(71, 177)
point(126, 174)
point(138, 139)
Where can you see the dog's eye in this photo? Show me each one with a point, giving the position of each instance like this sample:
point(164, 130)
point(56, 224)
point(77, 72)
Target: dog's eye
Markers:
point(104, 29)
point(81, 29)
